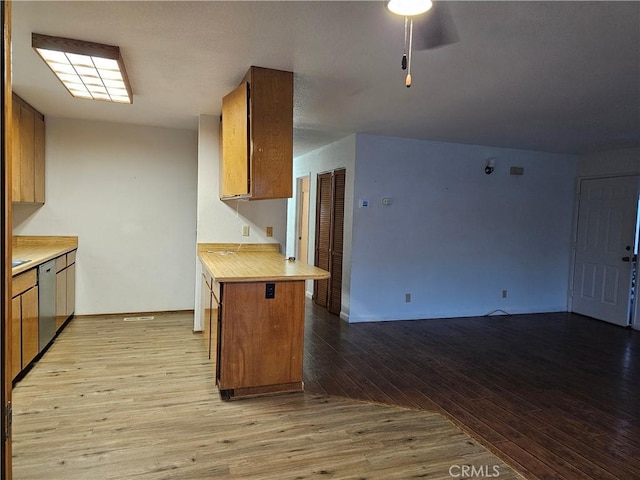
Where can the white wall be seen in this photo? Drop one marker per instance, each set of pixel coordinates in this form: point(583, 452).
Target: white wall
point(129, 193)
point(221, 222)
point(615, 162)
point(454, 237)
point(340, 154)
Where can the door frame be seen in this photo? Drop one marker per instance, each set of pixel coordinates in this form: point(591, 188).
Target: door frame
point(5, 242)
point(635, 313)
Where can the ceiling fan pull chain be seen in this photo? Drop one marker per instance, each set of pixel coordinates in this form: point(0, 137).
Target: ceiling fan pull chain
point(404, 54)
point(407, 81)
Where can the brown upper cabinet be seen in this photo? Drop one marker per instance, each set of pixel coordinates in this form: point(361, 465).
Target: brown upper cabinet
point(257, 137)
point(27, 153)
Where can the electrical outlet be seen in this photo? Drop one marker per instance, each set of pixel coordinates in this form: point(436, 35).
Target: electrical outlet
point(270, 290)
point(245, 230)
point(407, 297)
point(269, 231)
point(504, 294)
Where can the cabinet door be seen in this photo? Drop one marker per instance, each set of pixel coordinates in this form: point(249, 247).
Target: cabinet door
point(15, 152)
point(16, 337)
point(215, 325)
point(61, 297)
point(71, 290)
point(234, 165)
point(27, 151)
point(29, 325)
point(205, 305)
point(271, 133)
point(38, 159)
point(28, 147)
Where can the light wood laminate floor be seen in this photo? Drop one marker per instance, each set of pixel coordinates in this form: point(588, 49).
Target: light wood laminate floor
point(128, 400)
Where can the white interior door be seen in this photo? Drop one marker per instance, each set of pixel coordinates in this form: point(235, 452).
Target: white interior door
point(607, 215)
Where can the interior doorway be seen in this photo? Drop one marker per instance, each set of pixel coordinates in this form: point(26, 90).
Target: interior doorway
point(605, 266)
point(302, 221)
point(5, 241)
point(329, 238)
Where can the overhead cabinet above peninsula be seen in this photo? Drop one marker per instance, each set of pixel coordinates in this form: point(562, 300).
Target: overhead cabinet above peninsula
point(257, 137)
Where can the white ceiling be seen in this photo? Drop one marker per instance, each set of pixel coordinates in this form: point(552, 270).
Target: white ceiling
point(549, 76)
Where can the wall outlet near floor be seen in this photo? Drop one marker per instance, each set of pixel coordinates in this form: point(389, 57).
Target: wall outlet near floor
point(269, 231)
point(504, 294)
point(407, 297)
point(245, 230)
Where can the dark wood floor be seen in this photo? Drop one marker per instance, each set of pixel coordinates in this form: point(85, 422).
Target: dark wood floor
point(557, 395)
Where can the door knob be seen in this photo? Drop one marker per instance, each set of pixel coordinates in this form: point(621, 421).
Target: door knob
point(626, 259)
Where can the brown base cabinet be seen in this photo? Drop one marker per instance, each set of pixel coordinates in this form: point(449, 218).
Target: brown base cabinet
point(261, 338)
point(24, 318)
point(254, 343)
point(65, 288)
point(24, 321)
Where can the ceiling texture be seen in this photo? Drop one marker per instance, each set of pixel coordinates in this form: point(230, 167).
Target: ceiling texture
point(548, 76)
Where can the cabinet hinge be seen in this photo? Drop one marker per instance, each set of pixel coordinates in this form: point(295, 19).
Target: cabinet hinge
point(9, 421)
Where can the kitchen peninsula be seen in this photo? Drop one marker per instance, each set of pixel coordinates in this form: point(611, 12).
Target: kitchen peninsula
point(253, 306)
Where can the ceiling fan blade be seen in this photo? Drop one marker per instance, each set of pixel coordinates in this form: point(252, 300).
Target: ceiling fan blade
point(435, 28)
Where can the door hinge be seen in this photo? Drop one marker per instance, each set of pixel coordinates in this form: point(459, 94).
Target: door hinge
point(9, 419)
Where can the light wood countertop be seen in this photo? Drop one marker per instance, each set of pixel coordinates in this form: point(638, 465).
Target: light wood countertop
point(254, 263)
point(39, 249)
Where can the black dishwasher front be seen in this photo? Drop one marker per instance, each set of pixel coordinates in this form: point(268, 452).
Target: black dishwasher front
point(46, 303)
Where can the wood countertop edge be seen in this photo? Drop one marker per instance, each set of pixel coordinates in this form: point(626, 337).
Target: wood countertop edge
point(43, 241)
point(268, 278)
point(53, 246)
point(238, 247)
point(318, 273)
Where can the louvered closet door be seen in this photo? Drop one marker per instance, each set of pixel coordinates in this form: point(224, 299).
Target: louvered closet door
point(323, 236)
point(329, 238)
point(335, 253)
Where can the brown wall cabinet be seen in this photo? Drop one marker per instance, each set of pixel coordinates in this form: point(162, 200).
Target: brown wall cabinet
point(28, 153)
point(257, 137)
point(24, 321)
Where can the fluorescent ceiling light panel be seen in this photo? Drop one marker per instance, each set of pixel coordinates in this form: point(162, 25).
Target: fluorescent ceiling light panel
point(86, 69)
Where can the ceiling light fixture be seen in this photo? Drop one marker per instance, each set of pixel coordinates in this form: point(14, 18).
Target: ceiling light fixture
point(408, 9)
point(87, 70)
